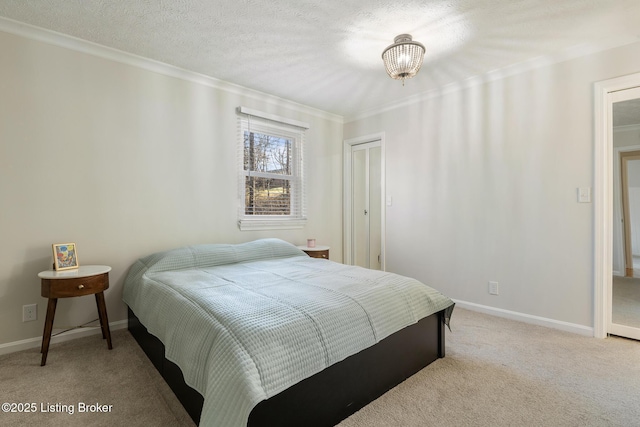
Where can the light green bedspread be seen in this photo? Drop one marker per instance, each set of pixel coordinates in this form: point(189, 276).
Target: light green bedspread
point(247, 321)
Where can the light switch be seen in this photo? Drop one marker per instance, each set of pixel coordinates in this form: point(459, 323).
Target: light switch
point(584, 195)
point(389, 200)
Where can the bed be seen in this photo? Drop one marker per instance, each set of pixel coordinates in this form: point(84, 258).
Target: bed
point(261, 334)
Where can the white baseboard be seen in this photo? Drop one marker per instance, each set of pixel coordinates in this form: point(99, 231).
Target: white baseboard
point(73, 334)
point(527, 318)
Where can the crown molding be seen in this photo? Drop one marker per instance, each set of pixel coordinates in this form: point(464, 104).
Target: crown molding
point(90, 48)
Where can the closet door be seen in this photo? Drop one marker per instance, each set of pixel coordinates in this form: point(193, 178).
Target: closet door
point(366, 205)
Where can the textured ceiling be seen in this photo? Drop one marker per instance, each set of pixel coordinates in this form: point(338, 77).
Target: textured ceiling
point(326, 54)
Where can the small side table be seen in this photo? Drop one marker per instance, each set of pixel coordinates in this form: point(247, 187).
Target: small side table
point(316, 252)
point(85, 280)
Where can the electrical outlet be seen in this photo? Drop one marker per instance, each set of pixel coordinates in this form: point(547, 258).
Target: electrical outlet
point(493, 288)
point(29, 312)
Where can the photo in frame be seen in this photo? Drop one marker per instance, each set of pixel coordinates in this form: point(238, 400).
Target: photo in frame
point(65, 256)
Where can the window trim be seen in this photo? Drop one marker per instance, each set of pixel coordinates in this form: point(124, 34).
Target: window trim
point(273, 125)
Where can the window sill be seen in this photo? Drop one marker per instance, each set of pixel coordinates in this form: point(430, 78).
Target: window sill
point(270, 224)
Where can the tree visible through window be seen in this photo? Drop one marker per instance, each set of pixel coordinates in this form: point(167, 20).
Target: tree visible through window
point(268, 168)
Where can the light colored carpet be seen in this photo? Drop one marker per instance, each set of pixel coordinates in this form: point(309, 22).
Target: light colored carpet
point(497, 372)
point(625, 309)
point(84, 371)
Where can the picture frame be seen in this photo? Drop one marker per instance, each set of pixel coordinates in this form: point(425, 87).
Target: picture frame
point(65, 256)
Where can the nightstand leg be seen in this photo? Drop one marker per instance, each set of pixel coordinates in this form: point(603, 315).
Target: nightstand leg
point(48, 327)
point(104, 320)
point(100, 317)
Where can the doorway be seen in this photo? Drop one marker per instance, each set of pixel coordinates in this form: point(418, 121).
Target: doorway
point(364, 211)
point(630, 195)
point(617, 295)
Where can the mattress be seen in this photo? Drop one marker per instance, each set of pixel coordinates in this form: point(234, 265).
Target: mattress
point(244, 322)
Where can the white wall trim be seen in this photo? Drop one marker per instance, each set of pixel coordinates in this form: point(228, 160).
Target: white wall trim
point(12, 347)
point(79, 45)
point(526, 318)
point(272, 117)
point(253, 224)
point(603, 201)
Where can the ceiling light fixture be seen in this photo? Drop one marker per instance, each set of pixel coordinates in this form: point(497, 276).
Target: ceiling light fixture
point(403, 58)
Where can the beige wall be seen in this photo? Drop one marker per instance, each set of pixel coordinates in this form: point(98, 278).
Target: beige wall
point(125, 162)
point(484, 182)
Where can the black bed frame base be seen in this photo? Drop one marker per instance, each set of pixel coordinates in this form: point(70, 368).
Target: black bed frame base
point(331, 395)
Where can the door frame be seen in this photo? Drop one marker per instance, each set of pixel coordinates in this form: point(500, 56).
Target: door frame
point(347, 195)
point(603, 198)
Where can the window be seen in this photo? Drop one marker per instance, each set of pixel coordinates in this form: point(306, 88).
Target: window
point(271, 179)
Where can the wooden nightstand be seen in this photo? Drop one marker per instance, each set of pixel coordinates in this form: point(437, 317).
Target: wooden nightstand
point(316, 252)
point(86, 280)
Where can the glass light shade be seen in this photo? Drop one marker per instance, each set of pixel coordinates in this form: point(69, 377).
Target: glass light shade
point(403, 58)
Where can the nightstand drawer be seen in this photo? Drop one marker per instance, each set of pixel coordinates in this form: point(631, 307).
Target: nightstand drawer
point(318, 254)
point(316, 251)
point(74, 287)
